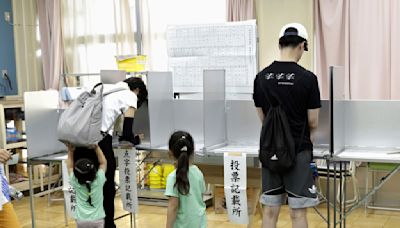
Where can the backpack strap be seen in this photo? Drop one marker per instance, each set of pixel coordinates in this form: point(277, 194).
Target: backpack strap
point(115, 90)
point(268, 94)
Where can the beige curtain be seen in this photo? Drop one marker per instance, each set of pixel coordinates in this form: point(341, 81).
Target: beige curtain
point(395, 50)
point(364, 37)
point(50, 40)
point(332, 40)
point(27, 47)
point(95, 31)
point(240, 10)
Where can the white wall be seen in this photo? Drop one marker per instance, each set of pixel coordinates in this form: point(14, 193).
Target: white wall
point(271, 16)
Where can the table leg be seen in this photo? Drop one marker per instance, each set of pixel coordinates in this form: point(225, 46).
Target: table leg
point(31, 200)
point(49, 184)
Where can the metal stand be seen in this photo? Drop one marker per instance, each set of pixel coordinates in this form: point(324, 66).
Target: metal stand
point(327, 193)
point(49, 184)
point(343, 211)
point(334, 194)
point(132, 216)
point(32, 204)
point(344, 196)
point(131, 219)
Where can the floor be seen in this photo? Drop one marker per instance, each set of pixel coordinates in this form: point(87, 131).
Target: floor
point(152, 216)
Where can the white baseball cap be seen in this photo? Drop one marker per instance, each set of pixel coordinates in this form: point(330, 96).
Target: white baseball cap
point(300, 31)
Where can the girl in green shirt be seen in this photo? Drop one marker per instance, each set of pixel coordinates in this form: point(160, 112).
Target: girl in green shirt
point(185, 186)
point(87, 177)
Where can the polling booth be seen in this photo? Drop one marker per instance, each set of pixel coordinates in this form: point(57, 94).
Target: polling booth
point(42, 113)
point(226, 134)
point(215, 106)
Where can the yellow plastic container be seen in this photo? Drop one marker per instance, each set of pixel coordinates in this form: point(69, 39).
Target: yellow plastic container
point(156, 171)
point(155, 176)
point(131, 63)
point(167, 169)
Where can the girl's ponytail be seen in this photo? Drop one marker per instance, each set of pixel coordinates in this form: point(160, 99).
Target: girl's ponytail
point(85, 171)
point(182, 146)
point(89, 200)
point(182, 169)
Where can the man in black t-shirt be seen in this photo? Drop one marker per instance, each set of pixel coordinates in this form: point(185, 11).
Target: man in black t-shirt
point(297, 91)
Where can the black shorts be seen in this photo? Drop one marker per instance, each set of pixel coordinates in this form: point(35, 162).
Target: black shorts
point(297, 183)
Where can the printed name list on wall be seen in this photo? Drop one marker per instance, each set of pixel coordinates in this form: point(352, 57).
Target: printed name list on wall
point(235, 185)
point(127, 180)
point(231, 46)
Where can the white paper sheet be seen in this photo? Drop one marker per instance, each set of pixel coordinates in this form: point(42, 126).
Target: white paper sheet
point(127, 180)
point(235, 186)
point(231, 46)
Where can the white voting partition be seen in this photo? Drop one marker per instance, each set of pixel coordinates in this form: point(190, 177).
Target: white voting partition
point(337, 108)
point(41, 116)
point(372, 123)
point(230, 46)
point(188, 116)
point(322, 135)
point(161, 107)
point(214, 108)
point(244, 125)
point(141, 124)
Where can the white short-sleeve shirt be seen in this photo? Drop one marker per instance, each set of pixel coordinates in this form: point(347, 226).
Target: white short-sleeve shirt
point(116, 103)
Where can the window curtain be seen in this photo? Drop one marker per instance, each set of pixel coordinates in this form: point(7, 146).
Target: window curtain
point(158, 14)
point(332, 40)
point(364, 37)
point(240, 10)
point(27, 46)
point(50, 40)
point(95, 31)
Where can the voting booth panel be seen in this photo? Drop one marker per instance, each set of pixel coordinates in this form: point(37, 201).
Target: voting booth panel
point(160, 104)
point(215, 134)
point(41, 116)
point(204, 119)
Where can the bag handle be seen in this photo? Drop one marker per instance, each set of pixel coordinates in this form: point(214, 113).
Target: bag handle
point(95, 86)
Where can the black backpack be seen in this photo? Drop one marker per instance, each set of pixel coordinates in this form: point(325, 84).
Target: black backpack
point(277, 146)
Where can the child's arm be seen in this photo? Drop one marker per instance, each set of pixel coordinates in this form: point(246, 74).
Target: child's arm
point(173, 205)
point(102, 159)
point(70, 159)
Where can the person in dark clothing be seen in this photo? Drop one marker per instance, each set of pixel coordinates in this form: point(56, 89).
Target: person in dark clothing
point(127, 102)
point(297, 91)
